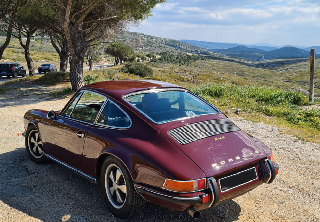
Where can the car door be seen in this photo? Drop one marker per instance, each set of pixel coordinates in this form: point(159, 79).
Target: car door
point(66, 134)
point(110, 128)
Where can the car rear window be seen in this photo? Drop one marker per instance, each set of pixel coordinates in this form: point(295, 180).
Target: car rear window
point(3, 66)
point(169, 105)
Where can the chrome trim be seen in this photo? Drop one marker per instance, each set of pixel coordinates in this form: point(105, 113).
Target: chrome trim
point(164, 90)
point(215, 192)
point(71, 168)
point(268, 167)
point(255, 170)
point(212, 191)
point(170, 198)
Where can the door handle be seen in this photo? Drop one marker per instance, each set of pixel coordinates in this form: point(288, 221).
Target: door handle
point(80, 135)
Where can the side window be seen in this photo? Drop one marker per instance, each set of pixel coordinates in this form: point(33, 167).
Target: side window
point(88, 107)
point(68, 111)
point(113, 116)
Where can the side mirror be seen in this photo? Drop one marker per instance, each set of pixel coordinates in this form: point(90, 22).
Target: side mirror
point(51, 115)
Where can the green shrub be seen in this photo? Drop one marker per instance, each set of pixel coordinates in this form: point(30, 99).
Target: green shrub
point(310, 117)
point(213, 90)
point(276, 111)
point(53, 78)
point(89, 79)
point(138, 69)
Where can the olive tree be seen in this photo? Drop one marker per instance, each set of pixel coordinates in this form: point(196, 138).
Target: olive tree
point(85, 22)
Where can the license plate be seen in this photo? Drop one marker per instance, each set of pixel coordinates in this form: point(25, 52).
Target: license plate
point(237, 179)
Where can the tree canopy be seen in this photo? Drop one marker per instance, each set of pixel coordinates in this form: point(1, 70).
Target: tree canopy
point(85, 22)
point(79, 24)
point(119, 51)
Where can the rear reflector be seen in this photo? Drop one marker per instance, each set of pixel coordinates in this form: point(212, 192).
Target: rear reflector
point(205, 198)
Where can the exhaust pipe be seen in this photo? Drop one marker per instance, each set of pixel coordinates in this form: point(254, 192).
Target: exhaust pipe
point(194, 212)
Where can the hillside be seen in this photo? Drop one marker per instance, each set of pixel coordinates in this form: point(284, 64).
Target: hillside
point(140, 42)
point(289, 52)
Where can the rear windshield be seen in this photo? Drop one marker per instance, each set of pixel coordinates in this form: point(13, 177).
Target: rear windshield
point(2, 66)
point(169, 105)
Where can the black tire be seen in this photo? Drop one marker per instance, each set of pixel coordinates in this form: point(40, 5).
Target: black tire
point(14, 75)
point(34, 145)
point(24, 74)
point(120, 199)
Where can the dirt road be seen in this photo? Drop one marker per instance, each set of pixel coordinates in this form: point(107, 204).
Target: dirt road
point(50, 192)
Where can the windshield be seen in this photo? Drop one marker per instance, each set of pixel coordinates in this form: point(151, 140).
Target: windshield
point(166, 106)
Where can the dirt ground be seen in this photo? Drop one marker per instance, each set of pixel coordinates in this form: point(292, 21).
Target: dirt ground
point(50, 192)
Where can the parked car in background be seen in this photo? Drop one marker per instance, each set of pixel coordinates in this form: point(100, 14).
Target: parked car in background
point(44, 68)
point(151, 138)
point(12, 70)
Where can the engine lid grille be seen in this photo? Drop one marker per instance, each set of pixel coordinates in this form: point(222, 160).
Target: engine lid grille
point(197, 131)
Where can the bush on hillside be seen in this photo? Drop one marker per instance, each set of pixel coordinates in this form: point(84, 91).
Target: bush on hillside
point(138, 69)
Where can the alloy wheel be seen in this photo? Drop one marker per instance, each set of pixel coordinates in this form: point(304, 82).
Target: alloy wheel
point(35, 144)
point(116, 186)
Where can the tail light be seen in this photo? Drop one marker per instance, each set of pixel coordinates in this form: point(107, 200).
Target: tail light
point(271, 157)
point(184, 186)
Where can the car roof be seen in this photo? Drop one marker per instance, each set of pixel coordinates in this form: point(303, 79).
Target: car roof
point(119, 88)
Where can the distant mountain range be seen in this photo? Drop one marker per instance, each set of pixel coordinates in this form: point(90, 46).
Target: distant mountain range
point(140, 42)
point(260, 55)
point(254, 52)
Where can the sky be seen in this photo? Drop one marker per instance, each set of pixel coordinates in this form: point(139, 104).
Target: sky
point(262, 22)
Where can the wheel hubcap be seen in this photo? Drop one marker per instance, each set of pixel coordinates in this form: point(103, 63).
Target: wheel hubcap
point(116, 187)
point(35, 144)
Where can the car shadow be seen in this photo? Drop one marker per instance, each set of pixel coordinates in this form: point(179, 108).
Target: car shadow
point(51, 192)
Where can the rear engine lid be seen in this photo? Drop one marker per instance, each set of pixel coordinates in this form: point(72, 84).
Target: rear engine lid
point(216, 146)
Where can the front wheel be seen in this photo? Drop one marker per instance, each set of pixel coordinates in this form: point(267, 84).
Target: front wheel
point(34, 145)
point(117, 187)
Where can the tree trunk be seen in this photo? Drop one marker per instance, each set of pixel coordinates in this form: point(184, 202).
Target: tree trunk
point(76, 73)
point(64, 56)
point(62, 51)
point(30, 63)
point(8, 38)
point(77, 49)
point(90, 60)
point(27, 56)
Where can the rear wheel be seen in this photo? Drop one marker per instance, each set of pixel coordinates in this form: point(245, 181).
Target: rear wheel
point(34, 145)
point(118, 187)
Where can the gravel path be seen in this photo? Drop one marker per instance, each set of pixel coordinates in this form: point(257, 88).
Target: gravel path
point(49, 192)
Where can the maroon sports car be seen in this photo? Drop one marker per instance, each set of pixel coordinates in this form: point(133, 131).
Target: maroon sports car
point(151, 138)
